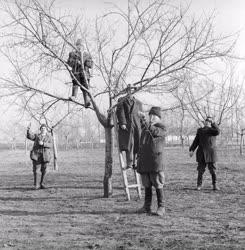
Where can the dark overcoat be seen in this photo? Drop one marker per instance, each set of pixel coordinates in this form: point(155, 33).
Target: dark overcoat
point(151, 155)
point(127, 114)
point(43, 151)
point(74, 61)
point(205, 142)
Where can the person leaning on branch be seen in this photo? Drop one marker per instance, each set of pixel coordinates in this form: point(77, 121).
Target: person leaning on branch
point(40, 153)
point(206, 155)
point(80, 62)
point(150, 163)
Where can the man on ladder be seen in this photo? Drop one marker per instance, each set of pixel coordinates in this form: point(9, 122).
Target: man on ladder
point(129, 127)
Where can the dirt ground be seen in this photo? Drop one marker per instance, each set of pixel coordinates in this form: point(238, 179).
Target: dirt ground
point(71, 213)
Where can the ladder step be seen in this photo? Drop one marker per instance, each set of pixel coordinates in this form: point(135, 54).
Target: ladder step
point(133, 186)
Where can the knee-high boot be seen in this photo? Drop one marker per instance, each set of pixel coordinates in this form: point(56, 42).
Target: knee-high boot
point(160, 204)
point(214, 179)
point(42, 179)
point(148, 199)
point(199, 179)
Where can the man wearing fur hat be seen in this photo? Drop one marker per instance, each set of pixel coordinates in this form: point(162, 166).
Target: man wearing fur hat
point(151, 161)
point(206, 155)
point(81, 63)
point(40, 153)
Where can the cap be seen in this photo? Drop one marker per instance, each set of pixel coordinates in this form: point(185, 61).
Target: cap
point(43, 125)
point(155, 111)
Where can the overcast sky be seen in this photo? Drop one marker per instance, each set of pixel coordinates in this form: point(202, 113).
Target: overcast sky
point(230, 16)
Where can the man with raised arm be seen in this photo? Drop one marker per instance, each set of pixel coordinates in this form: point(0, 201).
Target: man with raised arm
point(40, 153)
point(206, 155)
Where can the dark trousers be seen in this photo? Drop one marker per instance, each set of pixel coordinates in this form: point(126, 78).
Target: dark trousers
point(43, 169)
point(75, 87)
point(201, 169)
point(133, 145)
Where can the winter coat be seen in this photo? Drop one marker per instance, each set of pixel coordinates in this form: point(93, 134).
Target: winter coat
point(205, 140)
point(151, 157)
point(127, 114)
point(74, 61)
point(40, 153)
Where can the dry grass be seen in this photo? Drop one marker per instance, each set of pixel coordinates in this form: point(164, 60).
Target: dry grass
point(71, 213)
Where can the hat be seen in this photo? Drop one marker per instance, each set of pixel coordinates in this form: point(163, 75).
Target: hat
point(208, 119)
point(155, 111)
point(43, 125)
point(79, 42)
point(130, 87)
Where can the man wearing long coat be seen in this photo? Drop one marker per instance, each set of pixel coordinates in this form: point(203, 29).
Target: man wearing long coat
point(206, 155)
point(40, 153)
point(151, 160)
point(129, 127)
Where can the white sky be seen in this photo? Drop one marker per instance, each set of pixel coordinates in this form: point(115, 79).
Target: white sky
point(230, 19)
point(229, 15)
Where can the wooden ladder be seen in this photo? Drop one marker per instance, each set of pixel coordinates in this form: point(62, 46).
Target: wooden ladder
point(123, 165)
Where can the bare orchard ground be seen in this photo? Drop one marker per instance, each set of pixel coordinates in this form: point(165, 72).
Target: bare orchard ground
point(71, 213)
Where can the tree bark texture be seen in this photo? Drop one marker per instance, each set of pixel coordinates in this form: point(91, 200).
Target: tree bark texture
point(108, 162)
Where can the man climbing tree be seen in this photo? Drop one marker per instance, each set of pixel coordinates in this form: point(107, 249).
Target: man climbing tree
point(81, 62)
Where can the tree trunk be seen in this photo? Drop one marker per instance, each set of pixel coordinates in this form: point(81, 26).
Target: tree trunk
point(182, 140)
point(108, 162)
point(241, 144)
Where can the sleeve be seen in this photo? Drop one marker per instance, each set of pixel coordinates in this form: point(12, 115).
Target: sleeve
point(195, 143)
point(70, 60)
point(143, 123)
point(30, 135)
point(48, 143)
point(158, 130)
point(88, 61)
point(214, 130)
point(120, 112)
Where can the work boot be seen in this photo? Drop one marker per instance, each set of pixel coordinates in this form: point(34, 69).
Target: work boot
point(213, 174)
point(199, 179)
point(42, 179)
point(215, 187)
point(147, 205)
point(72, 98)
point(42, 186)
point(87, 105)
point(160, 210)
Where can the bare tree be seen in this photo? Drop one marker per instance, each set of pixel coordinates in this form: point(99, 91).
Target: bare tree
point(156, 44)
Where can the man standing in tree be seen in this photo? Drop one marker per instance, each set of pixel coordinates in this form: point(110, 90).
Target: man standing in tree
point(129, 126)
point(81, 63)
point(206, 155)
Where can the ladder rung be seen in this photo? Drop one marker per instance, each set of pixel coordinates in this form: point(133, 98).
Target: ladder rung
point(133, 186)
